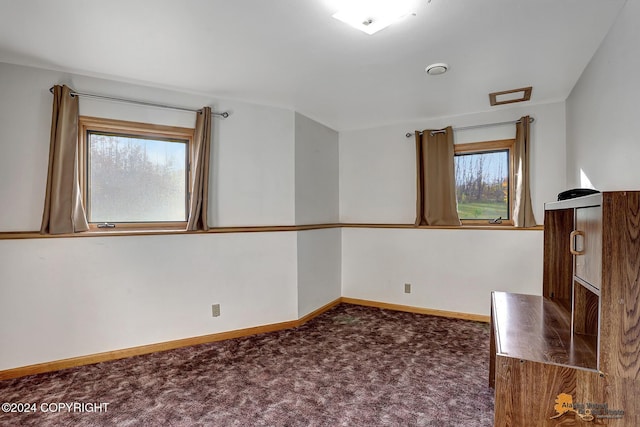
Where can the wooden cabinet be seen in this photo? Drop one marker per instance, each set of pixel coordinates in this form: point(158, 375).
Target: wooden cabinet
point(572, 355)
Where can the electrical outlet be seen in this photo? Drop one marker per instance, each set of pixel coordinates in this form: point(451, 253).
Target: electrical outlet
point(215, 310)
point(407, 288)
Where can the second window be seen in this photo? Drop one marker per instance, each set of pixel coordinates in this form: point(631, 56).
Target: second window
point(484, 182)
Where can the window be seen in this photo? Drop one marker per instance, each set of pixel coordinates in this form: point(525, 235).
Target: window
point(484, 182)
point(134, 174)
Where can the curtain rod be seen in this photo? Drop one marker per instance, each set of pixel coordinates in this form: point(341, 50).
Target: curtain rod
point(531, 120)
point(148, 104)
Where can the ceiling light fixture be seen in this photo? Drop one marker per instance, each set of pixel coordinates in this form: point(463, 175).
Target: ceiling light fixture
point(437, 69)
point(371, 16)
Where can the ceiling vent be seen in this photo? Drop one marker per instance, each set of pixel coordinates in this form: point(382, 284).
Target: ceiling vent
point(510, 96)
point(437, 69)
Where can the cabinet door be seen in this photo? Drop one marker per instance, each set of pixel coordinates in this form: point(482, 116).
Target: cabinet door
point(588, 265)
point(558, 261)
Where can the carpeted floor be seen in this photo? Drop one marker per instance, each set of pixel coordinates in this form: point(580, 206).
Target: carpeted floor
point(351, 366)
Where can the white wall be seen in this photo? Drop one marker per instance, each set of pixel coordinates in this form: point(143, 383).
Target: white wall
point(316, 166)
point(602, 111)
point(67, 297)
point(24, 144)
point(252, 169)
point(316, 202)
point(253, 164)
point(319, 268)
point(378, 172)
point(64, 297)
point(452, 270)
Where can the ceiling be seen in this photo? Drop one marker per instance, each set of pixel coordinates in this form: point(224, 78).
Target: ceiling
point(293, 54)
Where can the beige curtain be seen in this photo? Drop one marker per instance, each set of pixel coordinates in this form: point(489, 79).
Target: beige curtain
point(436, 201)
point(200, 157)
point(63, 210)
point(522, 209)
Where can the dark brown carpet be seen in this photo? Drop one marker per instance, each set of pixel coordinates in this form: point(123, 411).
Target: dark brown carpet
point(351, 366)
